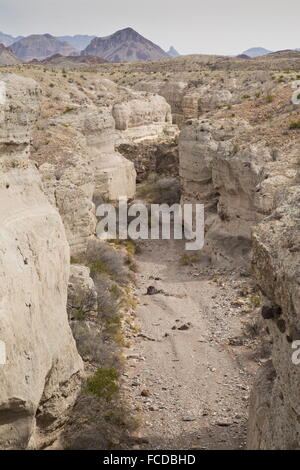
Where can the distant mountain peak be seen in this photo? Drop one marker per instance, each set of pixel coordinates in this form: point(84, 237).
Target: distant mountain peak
point(172, 52)
point(256, 52)
point(125, 45)
point(7, 39)
point(79, 41)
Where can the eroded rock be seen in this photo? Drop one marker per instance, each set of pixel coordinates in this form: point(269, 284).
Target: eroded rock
point(42, 362)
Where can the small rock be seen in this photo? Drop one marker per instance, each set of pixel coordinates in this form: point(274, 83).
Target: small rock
point(223, 423)
point(188, 418)
point(185, 326)
point(153, 408)
point(151, 290)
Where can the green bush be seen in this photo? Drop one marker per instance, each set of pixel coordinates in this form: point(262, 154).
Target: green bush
point(105, 261)
point(104, 384)
point(295, 125)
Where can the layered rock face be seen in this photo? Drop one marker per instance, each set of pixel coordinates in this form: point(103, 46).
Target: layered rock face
point(275, 404)
point(71, 190)
point(79, 161)
point(140, 112)
point(86, 170)
point(247, 175)
point(144, 117)
point(173, 92)
point(237, 182)
point(114, 175)
point(190, 100)
point(40, 379)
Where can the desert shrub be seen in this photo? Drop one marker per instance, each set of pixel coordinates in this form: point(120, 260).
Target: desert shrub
point(270, 98)
point(295, 125)
point(104, 384)
point(90, 342)
point(255, 300)
point(105, 261)
point(236, 149)
point(68, 109)
point(108, 302)
point(188, 260)
point(160, 191)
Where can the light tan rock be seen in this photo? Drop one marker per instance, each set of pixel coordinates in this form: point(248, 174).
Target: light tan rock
point(40, 379)
point(71, 190)
point(274, 421)
point(82, 295)
point(239, 185)
point(114, 175)
point(143, 118)
point(96, 124)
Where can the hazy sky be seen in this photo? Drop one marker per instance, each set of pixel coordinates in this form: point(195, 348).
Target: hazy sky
point(192, 26)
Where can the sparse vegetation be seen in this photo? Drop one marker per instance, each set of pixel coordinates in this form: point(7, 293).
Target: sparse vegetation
point(157, 190)
point(295, 125)
point(188, 260)
point(104, 384)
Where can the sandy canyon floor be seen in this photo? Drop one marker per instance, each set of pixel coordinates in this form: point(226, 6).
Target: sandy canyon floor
point(191, 367)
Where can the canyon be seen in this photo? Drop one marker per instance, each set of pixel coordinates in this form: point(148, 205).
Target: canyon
point(199, 345)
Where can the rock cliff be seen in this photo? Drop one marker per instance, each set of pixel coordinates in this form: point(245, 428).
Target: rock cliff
point(239, 181)
point(275, 405)
point(41, 375)
point(78, 158)
point(247, 176)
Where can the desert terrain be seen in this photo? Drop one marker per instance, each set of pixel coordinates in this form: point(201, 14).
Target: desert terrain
point(149, 346)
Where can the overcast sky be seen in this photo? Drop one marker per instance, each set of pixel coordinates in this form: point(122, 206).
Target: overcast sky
point(191, 26)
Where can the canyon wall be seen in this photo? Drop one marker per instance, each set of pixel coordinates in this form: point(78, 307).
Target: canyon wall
point(275, 405)
point(250, 188)
point(41, 376)
point(79, 161)
point(191, 99)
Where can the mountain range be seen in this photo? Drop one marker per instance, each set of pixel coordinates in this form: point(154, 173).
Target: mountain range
point(256, 52)
point(7, 39)
point(40, 46)
point(79, 41)
point(261, 51)
point(125, 45)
